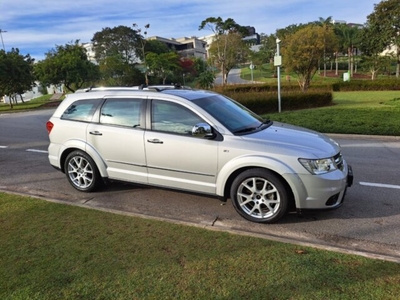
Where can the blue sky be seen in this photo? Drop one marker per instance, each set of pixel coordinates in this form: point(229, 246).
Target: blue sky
point(35, 27)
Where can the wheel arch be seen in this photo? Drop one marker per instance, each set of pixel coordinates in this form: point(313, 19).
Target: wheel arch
point(81, 146)
point(231, 170)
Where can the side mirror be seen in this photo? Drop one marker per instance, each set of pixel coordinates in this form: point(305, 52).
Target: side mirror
point(202, 130)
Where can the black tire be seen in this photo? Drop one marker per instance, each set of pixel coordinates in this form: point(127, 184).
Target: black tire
point(82, 172)
point(259, 196)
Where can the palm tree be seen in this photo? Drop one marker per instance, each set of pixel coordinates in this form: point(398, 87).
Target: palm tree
point(348, 40)
point(325, 23)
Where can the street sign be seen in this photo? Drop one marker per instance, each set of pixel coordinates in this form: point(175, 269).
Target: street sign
point(277, 61)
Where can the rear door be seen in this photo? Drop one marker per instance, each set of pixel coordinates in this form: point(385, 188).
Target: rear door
point(118, 138)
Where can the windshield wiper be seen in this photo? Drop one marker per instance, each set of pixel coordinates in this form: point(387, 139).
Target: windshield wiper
point(246, 129)
point(265, 122)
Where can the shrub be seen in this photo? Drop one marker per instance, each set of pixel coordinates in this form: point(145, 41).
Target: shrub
point(267, 101)
point(367, 85)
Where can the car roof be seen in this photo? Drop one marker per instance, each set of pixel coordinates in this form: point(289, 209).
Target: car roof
point(190, 94)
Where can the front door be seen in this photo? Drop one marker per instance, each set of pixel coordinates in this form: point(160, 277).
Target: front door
point(174, 157)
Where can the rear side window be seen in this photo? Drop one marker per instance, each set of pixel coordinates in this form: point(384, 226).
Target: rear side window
point(81, 110)
point(121, 112)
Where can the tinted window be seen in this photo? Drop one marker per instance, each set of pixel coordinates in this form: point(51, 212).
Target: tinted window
point(231, 114)
point(81, 110)
point(172, 117)
point(121, 112)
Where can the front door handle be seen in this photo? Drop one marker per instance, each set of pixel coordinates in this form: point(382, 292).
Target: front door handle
point(95, 132)
point(155, 141)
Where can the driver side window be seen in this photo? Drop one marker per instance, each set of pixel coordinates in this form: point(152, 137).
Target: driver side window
point(172, 118)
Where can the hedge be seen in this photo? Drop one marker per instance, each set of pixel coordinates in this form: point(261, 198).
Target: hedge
point(367, 85)
point(263, 98)
point(287, 86)
point(267, 102)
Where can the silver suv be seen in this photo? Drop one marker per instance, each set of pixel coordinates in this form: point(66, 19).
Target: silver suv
point(197, 141)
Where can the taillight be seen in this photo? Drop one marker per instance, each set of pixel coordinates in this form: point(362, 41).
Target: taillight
point(49, 126)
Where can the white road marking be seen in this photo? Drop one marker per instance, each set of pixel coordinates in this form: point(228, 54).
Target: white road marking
point(3, 147)
point(389, 186)
point(35, 150)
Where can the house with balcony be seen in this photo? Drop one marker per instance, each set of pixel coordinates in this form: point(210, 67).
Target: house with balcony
point(185, 46)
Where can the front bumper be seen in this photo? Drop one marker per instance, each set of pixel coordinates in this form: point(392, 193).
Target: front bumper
point(323, 192)
point(350, 176)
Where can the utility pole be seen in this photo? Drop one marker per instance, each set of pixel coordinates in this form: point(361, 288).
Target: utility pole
point(1, 35)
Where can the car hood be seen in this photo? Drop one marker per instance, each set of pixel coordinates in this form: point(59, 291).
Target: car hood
point(288, 138)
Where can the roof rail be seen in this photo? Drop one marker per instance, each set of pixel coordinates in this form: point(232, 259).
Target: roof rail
point(157, 88)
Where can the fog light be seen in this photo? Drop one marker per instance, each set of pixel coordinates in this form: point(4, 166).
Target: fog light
point(332, 200)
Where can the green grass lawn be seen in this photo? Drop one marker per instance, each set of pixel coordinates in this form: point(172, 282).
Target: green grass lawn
point(55, 251)
point(31, 104)
point(267, 74)
point(368, 113)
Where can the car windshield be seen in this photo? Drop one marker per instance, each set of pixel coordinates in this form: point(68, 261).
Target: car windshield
point(234, 116)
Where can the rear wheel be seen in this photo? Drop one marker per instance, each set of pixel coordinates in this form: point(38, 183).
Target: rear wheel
point(82, 172)
point(259, 196)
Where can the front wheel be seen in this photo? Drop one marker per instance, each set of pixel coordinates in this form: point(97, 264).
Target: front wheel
point(82, 172)
point(259, 196)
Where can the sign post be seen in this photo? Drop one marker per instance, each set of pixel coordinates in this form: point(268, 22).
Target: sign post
point(251, 68)
point(278, 63)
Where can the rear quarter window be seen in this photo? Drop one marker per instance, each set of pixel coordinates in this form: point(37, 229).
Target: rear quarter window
point(81, 110)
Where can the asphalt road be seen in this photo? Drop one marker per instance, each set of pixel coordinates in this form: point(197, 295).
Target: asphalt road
point(366, 224)
point(233, 78)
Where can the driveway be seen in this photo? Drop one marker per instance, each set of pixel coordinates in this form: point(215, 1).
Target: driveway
point(233, 78)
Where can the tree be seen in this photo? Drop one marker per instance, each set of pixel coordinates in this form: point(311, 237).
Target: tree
point(302, 51)
point(326, 25)
point(237, 52)
point(67, 65)
point(121, 40)
point(281, 33)
point(206, 79)
point(223, 50)
point(371, 47)
point(115, 72)
point(142, 48)
point(162, 65)
point(386, 21)
point(155, 46)
point(16, 73)
point(348, 38)
point(266, 52)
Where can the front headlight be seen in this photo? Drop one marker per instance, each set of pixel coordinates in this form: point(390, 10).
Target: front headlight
point(318, 166)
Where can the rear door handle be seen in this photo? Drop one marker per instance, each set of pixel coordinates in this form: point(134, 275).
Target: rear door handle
point(95, 132)
point(155, 141)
